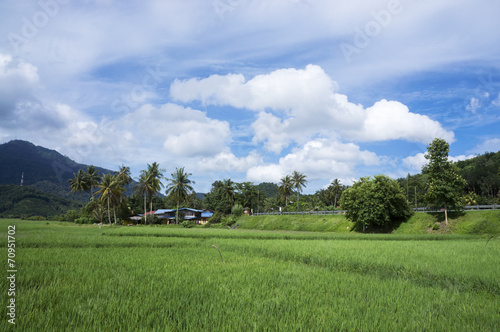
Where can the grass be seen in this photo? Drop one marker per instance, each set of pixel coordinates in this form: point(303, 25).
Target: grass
point(171, 279)
point(468, 223)
point(321, 223)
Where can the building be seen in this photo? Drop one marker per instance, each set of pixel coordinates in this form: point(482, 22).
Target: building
point(200, 217)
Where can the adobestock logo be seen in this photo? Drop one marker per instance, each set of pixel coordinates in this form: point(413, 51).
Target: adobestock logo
point(140, 92)
point(31, 27)
point(371, 30)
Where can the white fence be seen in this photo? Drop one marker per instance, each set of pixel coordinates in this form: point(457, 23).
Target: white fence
point(421, 209)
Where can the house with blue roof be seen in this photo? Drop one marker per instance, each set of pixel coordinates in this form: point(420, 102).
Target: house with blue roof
point(200, 217)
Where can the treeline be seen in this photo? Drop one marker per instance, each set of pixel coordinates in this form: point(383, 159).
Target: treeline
point(112, 196)
point(482, 174)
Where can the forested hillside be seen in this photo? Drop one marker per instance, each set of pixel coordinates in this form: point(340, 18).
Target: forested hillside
point(482, 174)
point(17, 201)
point(44, 169)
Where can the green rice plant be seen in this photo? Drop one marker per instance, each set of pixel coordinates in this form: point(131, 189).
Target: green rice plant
point(80, 277)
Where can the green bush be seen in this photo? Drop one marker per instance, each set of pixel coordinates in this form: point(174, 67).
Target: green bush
point(187, 223)
point(84, 220)
point(216, 218)
point(37, 218)
point(71, 215)
point(152, 220)
point(237, 210)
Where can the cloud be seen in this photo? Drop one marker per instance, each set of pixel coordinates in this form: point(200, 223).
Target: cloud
point(489, 145)
point(418, 161)
point(460, 158)
point(496, 102)
point(171, 130)
point(319, 159)
point(295, 105)
point(391, 120)
point(18, 82)
point(473, 106)
point(228, 162)
point(415, 162)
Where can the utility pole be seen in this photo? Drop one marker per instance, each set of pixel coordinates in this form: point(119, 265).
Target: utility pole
point(407, 191)
point(416, 197)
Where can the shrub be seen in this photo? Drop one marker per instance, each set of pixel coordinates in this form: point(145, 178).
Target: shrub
point(84, 220)
point(152, 220)
point(187, 223)
point(237, 210)
point(37, 218)
point(216, 218)
point(71, 215)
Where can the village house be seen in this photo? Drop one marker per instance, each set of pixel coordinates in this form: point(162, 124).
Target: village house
point(200, 217)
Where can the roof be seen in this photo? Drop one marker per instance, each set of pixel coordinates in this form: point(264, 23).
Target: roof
point(162, 211)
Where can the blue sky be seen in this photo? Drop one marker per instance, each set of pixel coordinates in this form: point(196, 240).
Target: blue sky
point(252, 90)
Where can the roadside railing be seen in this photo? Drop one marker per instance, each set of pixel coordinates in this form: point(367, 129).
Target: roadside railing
point(420, 209)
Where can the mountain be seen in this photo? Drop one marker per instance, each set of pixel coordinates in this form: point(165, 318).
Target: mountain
point(44, 169)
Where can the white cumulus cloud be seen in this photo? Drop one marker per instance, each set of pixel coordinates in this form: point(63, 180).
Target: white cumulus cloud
point(295, 105)
point(320, 158)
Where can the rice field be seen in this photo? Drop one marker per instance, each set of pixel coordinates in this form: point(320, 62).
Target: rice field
point(82, 278)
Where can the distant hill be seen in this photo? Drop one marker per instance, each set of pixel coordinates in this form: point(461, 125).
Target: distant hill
point(17, 201)
point(44, 169)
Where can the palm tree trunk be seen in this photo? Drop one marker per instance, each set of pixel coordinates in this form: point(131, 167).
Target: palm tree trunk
point(114, 212)
point(151, 207)
point(298, 200)
point(145, 210)
point(231, 209)
point(109, 214)
point(177, 214)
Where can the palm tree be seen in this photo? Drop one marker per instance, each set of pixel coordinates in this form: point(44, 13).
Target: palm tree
point(79, 183)
point(155, 174)
point(143, 188)
point(299, 181)
point(92, 178)
point(285, 187)
point(334, 189)
point(111, 191)
point(228, 191)
point(179, 188)
point(124, 175)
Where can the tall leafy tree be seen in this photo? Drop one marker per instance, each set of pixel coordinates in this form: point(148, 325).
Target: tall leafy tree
point(179, 187)
point(247, 194)
point(299, 182)
point(216, 200)
point(375, 201)
point(111, 191)
point(445, 185)
point(228, 187)
point(286, 187)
